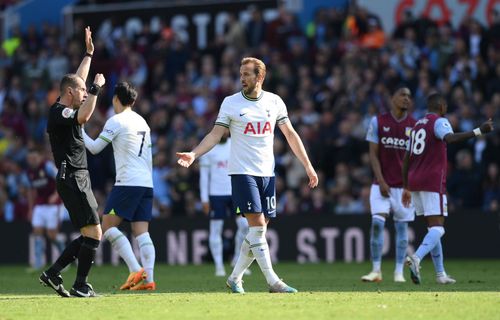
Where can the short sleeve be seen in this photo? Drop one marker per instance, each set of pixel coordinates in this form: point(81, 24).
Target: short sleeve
point(63, 115)
point(372, 133)
point(282, 116)
point(442, 127)
point(111, 130)
point(223, 118)
point(51, 169)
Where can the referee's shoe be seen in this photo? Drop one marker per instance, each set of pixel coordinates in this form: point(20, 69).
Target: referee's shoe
point(54, 282)
point(84, 290)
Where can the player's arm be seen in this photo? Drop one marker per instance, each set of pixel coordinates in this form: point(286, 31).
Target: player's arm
point(210, 140)
point(406, 196)
point(204, 183)
point(461, 136)
point(298, 149)
point(94, 146)
point(87, 108)
point(377, 169)
point(109, 132)
point(51, 170)
point(83, 69)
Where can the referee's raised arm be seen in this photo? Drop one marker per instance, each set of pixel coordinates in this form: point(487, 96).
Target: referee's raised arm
point(88, 106)
point(83, 69)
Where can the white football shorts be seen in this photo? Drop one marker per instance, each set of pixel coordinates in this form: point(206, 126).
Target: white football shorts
point(429, 203)
point(380, 204)
point(46, 216)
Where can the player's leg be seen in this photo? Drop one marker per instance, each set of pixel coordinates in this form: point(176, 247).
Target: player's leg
point(257, 222)
point(70, 195)
point(121, 205)
point(119, 242)
point(216, 245)
point(87, 219)
point(140, 226)
point(147, 253)
point(37, 223)
point(433, 206)
point(244, 190)
point(53, 223)
point(92, 234)
point(380, 207)
point(437, 259)
point(52, 276)
point(241, 233)
point(434, 211)
point(402, 216)
point(401, 242)
point(217, 216)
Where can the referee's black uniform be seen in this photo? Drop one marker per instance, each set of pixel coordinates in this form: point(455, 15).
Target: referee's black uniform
point(73, 180)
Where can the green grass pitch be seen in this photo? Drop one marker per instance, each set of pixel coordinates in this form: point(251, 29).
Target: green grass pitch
point(326, 291)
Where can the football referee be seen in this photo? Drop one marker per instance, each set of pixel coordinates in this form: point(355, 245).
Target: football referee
point(75, 107)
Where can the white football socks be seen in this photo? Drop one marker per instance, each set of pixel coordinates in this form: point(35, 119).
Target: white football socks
point(148, 255)
point(260, 249)
point(121, 244)
point(241, 233)
point(215, 241)
point(244, 261)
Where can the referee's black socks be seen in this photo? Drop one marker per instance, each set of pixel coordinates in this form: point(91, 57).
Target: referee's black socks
point(86, 257)
point(67, 256)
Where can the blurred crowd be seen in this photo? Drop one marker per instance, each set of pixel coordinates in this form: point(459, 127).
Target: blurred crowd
point(334, 76)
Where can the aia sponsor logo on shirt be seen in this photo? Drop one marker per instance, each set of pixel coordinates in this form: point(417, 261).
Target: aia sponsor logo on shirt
point(258, 128)
point(221, 164)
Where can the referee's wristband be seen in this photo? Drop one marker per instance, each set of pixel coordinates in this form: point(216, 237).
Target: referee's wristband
point(477, 132)
point(94, 89)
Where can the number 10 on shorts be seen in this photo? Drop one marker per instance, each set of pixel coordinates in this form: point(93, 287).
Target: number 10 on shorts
point(271, 202)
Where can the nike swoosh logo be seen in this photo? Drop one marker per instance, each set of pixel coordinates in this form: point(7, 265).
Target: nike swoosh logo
point(53, 285)
point(83, 294)
point(242, 114)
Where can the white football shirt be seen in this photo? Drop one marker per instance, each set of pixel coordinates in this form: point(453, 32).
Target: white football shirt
point(252, 123)
point(131, 138)
point(214, 176)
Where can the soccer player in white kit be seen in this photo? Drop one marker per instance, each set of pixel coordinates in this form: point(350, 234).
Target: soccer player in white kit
point(215, 194)
point(251, 117)
point(131, 198)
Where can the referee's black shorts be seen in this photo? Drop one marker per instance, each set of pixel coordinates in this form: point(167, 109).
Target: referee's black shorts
point(76, 193)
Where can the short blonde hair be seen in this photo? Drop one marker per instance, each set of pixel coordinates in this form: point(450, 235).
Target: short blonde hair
point(260, 67)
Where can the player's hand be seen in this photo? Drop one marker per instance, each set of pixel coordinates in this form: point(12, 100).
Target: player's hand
point(185, 158)
point(205, 206)
point(385, 190)
point(487, 126)
point(313, 177)
point(53, 198)
point(99, 79)
point(406, 198)
point(88, 41)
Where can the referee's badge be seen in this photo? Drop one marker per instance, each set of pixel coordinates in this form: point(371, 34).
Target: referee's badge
point(68, 113)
